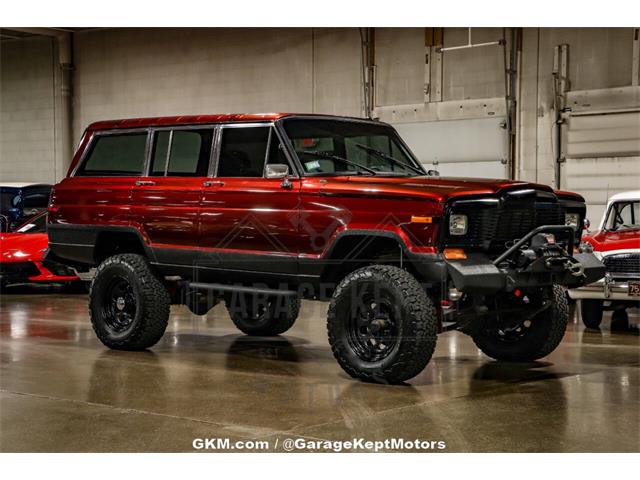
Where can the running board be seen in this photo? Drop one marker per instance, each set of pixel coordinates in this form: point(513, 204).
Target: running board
point(221, 287)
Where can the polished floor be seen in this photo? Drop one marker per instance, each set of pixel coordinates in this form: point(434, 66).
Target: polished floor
point(62, 391)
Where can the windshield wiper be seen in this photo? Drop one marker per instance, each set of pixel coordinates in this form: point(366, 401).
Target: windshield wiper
point(338, 158)
point(389, 158)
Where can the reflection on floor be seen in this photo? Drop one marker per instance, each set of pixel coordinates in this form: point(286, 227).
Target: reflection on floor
point(61, 390)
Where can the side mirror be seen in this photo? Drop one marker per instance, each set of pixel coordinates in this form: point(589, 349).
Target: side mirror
point(276, 170)
point(433, 173)
point(586, 224)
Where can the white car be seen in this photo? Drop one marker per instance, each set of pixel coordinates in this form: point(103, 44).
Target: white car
point(617, 243)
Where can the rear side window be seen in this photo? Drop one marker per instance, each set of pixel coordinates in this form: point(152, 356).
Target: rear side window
point(115, 155)
point(181, 153)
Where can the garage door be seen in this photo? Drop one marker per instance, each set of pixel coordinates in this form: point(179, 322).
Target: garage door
point(459, 148)
point(602, 150)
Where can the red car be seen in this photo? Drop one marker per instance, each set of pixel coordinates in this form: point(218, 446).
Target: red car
point(260, 211)
point(617, 243)
point(22, 255)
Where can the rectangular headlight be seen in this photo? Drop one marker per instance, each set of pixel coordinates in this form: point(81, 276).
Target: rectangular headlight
point(457, 224)
point(571, 219)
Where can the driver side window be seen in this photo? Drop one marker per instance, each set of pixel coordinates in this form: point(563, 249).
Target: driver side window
point(244, 151)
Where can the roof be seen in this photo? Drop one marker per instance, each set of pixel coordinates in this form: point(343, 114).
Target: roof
point(631, 195)
point(187, 120)
point(208, 119)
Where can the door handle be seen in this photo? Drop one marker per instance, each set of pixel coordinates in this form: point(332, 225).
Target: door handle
point(142, 183)
point(210, 183)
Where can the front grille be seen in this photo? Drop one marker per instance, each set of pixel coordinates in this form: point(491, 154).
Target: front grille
point(18, 269)
point(623, 263)
point(496, 226)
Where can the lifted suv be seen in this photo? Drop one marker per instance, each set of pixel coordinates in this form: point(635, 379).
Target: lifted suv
point(260, 211)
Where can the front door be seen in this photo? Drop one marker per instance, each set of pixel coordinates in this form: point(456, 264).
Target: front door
point(249, 222)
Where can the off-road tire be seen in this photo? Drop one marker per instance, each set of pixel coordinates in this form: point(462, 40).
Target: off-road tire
point(277, 314)
point(541, 338)
point(591, 312)
point(151, 298)
point(415, 316)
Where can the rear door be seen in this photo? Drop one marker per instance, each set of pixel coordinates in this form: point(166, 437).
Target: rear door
point(166, 200)
point(248, 221)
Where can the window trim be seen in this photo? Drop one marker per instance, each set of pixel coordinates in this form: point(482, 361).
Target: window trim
point(95, 135)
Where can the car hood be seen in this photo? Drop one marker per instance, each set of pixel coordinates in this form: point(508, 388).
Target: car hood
point(435, 188)
point(22, 247)
point(607, 242)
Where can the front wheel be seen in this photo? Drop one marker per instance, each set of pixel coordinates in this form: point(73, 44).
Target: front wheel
point(382, 325)
point(517, 337)
point(129, 306)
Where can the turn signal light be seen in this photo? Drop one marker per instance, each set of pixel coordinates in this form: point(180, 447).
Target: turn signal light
point(454, 254)
point(415, 219)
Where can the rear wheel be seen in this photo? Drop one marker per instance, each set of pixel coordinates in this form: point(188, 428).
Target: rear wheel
point(129, 306)
point(591, 311)
point(263, 316)
point(518, 338)
point(619, 321)
point(382, 325)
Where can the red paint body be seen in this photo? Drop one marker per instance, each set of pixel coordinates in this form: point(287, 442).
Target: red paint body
point(607, 241)
point(183, 213)
point(22, 248)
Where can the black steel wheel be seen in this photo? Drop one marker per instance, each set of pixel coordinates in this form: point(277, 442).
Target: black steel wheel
point(119, 304)
point(372, 328)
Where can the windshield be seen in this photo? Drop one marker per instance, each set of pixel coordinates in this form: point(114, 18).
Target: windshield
point(623, 215)
point(339, 147)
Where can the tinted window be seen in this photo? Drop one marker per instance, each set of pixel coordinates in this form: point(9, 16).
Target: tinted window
point(160, 146)
point(243, 152)
point(189, 152)
point(115, 155)
point(276, 151)
point(36, 200)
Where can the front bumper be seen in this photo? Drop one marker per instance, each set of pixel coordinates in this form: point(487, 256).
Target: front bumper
point(478, 273)
point(606, 288)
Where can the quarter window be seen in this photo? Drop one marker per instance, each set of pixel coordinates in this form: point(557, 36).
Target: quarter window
point(115, 155)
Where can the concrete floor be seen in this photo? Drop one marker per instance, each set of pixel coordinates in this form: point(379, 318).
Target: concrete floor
point(61, 390)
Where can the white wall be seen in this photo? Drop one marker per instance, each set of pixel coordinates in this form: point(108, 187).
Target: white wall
point(148, 72)
point(27, 148)
point(145, 72)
